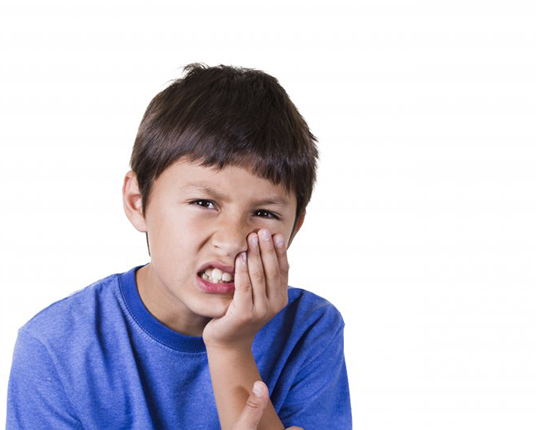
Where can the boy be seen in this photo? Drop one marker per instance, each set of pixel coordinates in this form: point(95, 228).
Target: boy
point(223, 168)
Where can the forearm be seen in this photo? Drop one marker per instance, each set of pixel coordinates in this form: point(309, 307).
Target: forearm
point(233, 373)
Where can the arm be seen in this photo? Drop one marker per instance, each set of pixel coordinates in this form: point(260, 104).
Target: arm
point(261, 280)
point(233, 372)
point(255, 405)
point(36, 396)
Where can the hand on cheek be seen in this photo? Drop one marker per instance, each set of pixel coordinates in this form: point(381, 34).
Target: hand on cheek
point(267, 268)
point(261, 280)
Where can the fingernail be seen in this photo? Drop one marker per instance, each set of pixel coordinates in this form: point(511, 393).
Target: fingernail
point(265, 235)
point(254, 240)
point(279, 241)
point(257, 389)
point(244, 257)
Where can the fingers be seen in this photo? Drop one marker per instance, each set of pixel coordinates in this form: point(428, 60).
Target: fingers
point(276, 269)
point(257, 274)
point(255, 405)
point(284, 267)
point(243, 296)
point(261, 282)
point(268, 269)
point(271, 263)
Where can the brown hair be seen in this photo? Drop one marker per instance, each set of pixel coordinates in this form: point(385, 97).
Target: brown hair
point(222, 116)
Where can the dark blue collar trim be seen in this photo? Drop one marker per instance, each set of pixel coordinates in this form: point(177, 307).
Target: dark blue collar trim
point(149, 324)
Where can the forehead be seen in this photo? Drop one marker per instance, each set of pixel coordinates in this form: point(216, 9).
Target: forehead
point(185, 177)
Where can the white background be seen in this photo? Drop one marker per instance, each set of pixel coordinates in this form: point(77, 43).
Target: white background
point(422, 226)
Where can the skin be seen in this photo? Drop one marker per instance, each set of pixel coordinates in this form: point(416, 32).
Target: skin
point(188, 227)
point(255, 406)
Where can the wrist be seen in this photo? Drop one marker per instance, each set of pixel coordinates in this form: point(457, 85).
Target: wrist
point(243, 346)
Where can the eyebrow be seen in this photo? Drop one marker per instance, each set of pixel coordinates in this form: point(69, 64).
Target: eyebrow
point(272, 200)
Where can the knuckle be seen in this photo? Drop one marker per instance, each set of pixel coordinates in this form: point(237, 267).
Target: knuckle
point(269, 247)
point(245, 286)
point(273, 274)
point(253, 403)
point(258, 275)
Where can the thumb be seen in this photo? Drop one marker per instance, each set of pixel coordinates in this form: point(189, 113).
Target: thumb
point(255, 405)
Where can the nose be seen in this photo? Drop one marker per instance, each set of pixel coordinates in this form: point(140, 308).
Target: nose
point(230, 236)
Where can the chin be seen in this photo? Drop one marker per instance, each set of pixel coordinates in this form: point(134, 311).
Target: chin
point(216, 309)
point(219, 314)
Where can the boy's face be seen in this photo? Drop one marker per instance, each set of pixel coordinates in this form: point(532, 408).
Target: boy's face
point(198, 215)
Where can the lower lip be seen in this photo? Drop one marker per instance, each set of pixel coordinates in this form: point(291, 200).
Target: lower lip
point(209, 287)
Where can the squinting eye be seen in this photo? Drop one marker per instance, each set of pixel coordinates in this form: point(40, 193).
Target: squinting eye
point(269, 214)
point(196, 203)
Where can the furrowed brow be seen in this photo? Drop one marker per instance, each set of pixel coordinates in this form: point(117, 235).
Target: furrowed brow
point(206, 189)
point(272, 200)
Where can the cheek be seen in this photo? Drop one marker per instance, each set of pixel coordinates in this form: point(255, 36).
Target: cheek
point(176, 236)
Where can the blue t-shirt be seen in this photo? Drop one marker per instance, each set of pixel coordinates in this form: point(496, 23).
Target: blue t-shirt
point(99, 360)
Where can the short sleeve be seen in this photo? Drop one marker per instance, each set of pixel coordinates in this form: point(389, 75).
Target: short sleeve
point(36, 396)
point(320, 397)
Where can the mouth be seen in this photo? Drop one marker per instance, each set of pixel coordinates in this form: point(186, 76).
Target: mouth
point(215, 275)
point(221, 287)
point(214, 280)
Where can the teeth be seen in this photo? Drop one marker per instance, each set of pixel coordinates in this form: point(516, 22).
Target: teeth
point(215, 276)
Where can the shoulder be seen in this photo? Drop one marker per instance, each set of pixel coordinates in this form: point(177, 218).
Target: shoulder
point(78, 311)
point(312, 306)
point(310, 315)
point(313, 384)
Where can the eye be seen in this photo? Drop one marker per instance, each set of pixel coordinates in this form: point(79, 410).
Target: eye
point(202, 203)
point(268, 214)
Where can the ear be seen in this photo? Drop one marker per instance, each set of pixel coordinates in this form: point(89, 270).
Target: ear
point(132, 202)
point(298, 226)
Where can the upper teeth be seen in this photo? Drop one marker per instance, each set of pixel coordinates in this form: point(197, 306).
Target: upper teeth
point(216, 275)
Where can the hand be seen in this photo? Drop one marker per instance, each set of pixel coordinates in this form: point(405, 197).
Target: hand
point(252, 412)
point(261, 280)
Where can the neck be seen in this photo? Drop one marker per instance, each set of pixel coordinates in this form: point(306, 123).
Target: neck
point(166, 308)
